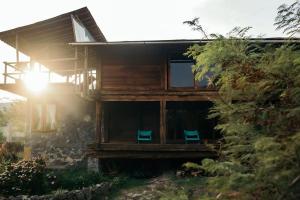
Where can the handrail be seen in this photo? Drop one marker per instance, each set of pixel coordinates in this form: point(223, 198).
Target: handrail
point(79, 77)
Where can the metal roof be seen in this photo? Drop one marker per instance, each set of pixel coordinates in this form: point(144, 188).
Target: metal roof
point(179, 41)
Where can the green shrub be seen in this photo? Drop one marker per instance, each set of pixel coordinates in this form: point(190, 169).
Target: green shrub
point(9, 151)
point(23, 177)
point(74, 178)
point(2, 138)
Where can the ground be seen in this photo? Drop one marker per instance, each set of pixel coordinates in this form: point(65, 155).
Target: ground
point(164, 187)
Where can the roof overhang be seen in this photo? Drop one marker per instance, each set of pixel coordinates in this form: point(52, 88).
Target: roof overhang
point(56, 30)
point(178, 42)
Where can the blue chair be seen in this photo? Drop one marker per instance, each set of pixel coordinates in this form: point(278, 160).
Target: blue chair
point(191, 136)
point(144, 136)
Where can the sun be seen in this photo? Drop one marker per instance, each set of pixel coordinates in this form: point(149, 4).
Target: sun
point(35, 81)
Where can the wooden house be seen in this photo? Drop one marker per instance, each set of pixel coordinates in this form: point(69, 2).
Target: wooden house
point(130, 85)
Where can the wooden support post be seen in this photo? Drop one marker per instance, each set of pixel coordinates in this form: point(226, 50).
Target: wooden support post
point(99, 134)
point(17, 48)
point(76, 65)
point(5, 73)
point(163, 122)
point(28, 132)
point(166, 75)
point(98, 74)
point(85, 71)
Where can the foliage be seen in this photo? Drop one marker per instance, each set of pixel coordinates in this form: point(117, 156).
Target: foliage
point(74, 178)
point(9, 151)
point(259, 112)
point(23, 177)
point(288, 18)
point(2, 138)
point(32, 178)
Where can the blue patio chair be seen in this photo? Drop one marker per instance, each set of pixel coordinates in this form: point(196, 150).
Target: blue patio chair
point(191, 136)
point(145, 136)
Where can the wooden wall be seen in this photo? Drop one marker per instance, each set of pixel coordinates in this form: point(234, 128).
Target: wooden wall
point(132, 68)
point(131, 77)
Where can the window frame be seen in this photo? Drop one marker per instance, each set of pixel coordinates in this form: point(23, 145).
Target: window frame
point(193, 88)
point(169, 75)
point(44, 118)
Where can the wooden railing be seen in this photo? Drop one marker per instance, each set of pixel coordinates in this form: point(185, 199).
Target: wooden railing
point(83, 80)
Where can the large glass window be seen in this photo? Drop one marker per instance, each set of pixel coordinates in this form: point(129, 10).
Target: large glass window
point(181, 74)
point(81, 33)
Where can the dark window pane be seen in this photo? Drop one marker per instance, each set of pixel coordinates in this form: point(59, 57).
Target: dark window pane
point(181, 74)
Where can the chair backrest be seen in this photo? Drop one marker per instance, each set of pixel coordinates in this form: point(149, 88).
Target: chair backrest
point(191, 133)
point(144, 132)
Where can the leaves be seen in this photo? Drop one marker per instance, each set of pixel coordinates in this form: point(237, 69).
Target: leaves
point(258, 112)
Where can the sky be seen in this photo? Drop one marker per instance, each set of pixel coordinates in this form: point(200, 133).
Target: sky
point(122, 20)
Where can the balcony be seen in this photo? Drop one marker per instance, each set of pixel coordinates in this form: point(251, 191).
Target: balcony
point(27, 78)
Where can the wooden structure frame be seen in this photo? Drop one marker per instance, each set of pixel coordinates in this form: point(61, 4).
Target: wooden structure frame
point(101, 71)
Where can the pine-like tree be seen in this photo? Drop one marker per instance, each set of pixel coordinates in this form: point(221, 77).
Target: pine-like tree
point(259, 114)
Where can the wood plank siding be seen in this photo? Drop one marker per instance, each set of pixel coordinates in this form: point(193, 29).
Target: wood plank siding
point(131, 77)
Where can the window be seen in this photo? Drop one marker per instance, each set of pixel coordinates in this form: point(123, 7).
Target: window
point(181, 74)
point(44, 117)
point(80, 31)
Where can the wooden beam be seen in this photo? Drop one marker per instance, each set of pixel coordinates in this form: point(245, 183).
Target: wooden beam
point(17, 48)
point(166, 75)
point(85, 74)
point(99, 135)
point(5, 72)
point(162, 122)
point(98, 74)
point(75, 69)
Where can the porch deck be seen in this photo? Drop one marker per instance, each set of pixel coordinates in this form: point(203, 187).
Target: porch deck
point(153, 151)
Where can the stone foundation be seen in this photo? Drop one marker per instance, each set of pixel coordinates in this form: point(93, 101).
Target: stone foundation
point(66, 146)
point(97, 192)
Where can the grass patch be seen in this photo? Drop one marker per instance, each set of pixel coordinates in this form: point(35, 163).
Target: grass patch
point(127, 183)
point(74, 178)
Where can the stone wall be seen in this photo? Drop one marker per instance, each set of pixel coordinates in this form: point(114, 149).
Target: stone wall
point(97, 192)
point(76, 129)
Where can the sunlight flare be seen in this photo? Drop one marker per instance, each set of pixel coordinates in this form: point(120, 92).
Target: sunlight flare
point(35, 81)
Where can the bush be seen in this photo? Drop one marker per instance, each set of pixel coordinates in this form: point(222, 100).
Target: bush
point(2, 138)
point(9, 151)
point(23, 177)
point(74, 178)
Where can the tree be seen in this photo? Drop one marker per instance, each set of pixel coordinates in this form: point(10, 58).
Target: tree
point(259, 113)
point(288, 18)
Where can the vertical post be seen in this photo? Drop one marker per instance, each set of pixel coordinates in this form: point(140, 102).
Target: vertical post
point(166, 75)
point(98, 74)
point(5, 72)
point(17, 48)
point(162, 122)
point(76, 65)
point(85, 71)
point(99, 134)
point(28, 131)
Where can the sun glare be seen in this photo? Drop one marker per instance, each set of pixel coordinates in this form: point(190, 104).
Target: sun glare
point(35, 81)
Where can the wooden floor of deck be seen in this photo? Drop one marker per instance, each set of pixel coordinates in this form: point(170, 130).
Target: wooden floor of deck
point(154, 151)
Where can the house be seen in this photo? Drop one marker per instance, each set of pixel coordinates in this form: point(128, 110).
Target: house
point(123, 86)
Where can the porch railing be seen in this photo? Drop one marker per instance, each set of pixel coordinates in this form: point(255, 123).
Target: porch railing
point(83, 80)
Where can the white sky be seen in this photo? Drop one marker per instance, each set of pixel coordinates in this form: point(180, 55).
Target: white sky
point(146, 19)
